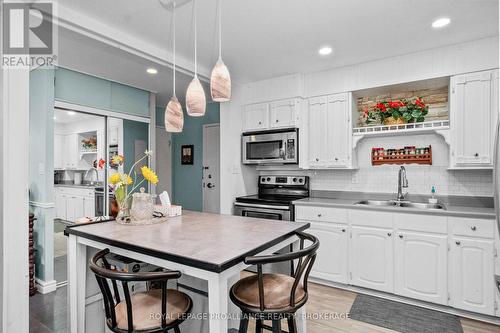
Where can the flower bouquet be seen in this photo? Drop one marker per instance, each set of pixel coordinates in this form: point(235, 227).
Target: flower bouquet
point(397, 112)
point(121, 182)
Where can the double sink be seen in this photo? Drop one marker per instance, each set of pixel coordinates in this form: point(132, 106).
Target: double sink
point(402, 204)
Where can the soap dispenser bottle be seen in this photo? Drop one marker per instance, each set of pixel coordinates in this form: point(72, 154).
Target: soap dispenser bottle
point(432, 199)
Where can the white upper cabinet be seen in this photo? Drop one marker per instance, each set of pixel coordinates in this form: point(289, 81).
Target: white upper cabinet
point(256, 117)
point(421, 265)
point(274, 115)
point(372, 256)
point(58, 152)
point(284, 113)
point(473, 115)
point(70, 151)
point(330, 131)
point(473, 286)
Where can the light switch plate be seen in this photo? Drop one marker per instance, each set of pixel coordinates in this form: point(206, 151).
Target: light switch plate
point(41, 168)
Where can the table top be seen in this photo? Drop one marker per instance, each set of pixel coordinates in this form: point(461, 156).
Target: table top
point(212, 242)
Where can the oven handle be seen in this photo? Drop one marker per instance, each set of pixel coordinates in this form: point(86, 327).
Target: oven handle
point(241, 204)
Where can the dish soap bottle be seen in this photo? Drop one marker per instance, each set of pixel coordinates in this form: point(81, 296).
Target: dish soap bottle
point(432, 199)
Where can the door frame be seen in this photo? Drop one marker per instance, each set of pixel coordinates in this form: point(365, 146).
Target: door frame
point(202, 162)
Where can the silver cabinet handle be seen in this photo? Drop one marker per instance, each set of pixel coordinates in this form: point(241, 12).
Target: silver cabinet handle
point(317, 159)
point(319, 215)
point(260, 122)
point(400, 236)
point(277, 120)
point(457, 242)
point(476, 155)
point(473, 228)
point(389, 234)
point(343, 230)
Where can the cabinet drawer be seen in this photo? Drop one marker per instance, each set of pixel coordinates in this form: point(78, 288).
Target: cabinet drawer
point(321, 214)
point(84, 192)
point(472, 227)
point(420, 222)
point(371, 218)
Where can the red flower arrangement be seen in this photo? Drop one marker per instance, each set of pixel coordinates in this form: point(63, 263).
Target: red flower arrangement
point(405, 111)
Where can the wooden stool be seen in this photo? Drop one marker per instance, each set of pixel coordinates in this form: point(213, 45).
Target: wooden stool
point(275, 296)
point(153, 311)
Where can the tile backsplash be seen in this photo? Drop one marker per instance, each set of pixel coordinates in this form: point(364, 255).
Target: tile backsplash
point(384, 179)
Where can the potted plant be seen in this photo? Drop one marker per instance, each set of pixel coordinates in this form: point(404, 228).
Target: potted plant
point(122, 181)
point(397, 112)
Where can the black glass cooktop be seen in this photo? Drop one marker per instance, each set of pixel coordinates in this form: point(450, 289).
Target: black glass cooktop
point(269, 200)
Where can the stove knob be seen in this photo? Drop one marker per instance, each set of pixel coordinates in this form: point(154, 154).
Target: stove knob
point(268, 179)
point(263, 179)
point(295, 180)
point(301, 180)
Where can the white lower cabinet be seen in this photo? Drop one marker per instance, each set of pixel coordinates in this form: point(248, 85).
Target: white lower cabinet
point(472, 280)
point(372, 258)
point(421, 266)
point(73, 203)
point(331, 259)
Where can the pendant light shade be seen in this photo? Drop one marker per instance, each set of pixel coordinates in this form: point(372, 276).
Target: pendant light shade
point(195, 95)
point(174, 117)
point(220, 80)
point(195, 99)
point(220, 83)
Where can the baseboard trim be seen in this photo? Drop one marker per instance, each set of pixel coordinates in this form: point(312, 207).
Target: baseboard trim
point(45, 287)
point(411, 301)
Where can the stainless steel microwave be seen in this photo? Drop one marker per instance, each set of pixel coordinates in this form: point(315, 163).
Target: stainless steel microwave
point(271, 147)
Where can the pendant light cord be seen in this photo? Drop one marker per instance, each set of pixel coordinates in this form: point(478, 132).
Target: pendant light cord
point(173, 18)
point(195, 42)
point(220, 29)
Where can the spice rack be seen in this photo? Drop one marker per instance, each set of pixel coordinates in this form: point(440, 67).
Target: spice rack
point(406, 155)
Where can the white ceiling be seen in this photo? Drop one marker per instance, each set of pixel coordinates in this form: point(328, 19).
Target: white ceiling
point(265, 38)
point(67, 117)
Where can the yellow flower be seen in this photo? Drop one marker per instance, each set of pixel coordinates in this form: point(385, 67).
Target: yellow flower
point(128, 180)
point(149, 175)
point(115, 178)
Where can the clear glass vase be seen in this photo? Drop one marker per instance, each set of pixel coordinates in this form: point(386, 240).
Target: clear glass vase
point(123, 215)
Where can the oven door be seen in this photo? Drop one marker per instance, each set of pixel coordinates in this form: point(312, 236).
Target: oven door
point(270, 147)
point(270, 212)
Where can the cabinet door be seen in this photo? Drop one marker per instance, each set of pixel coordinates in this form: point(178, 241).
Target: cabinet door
point(421, 266)
point(113, 135)
point(88, 207)
point(70, 151)
point(58, 156)
point(372, 258)
point(333, 240)
point(473, 118)
point(60, 205)
point(317, 132)
point(256, 117)
point(75, 208)
point(284, 113)
point(472, 280)
point(339, 130)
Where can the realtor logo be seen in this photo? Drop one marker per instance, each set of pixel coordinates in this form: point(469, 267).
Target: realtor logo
point(28, 33)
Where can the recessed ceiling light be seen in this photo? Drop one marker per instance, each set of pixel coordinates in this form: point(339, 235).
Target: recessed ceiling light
point(441, 22)
point(71, 113)
point(55, 118)
point(152, 71)
point(325, 50)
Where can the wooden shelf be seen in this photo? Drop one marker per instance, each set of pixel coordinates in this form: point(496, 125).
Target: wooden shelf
point(403, 158)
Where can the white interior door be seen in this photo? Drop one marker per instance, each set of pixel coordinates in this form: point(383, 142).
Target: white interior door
point(211, 168)
point(163, 155)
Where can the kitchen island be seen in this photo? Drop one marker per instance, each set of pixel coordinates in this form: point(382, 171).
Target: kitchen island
point(211, 247)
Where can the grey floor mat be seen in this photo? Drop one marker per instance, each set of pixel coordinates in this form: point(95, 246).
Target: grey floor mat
point(402, 317)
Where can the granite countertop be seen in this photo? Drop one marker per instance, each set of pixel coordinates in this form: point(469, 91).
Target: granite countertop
point(211, 242)
point(451, 210)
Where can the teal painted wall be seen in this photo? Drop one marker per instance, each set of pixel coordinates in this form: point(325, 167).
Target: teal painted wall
point(132, 131)
point(87, 90)
point(41, 159)
point(186, 179)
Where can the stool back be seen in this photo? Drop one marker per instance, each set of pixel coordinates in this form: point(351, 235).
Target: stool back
point(104, 274)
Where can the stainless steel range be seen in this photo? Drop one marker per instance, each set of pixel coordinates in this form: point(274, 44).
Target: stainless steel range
point(275, 197)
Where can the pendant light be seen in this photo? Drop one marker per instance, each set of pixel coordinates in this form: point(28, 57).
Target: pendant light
point(174, 117)
point(220, 80)
point(195, 95)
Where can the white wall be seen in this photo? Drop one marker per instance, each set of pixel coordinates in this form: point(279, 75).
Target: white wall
point(445, 61)
point(235, 179)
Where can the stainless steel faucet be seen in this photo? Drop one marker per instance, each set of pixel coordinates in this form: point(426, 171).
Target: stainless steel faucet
point(402, 183)
point(96, 175)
